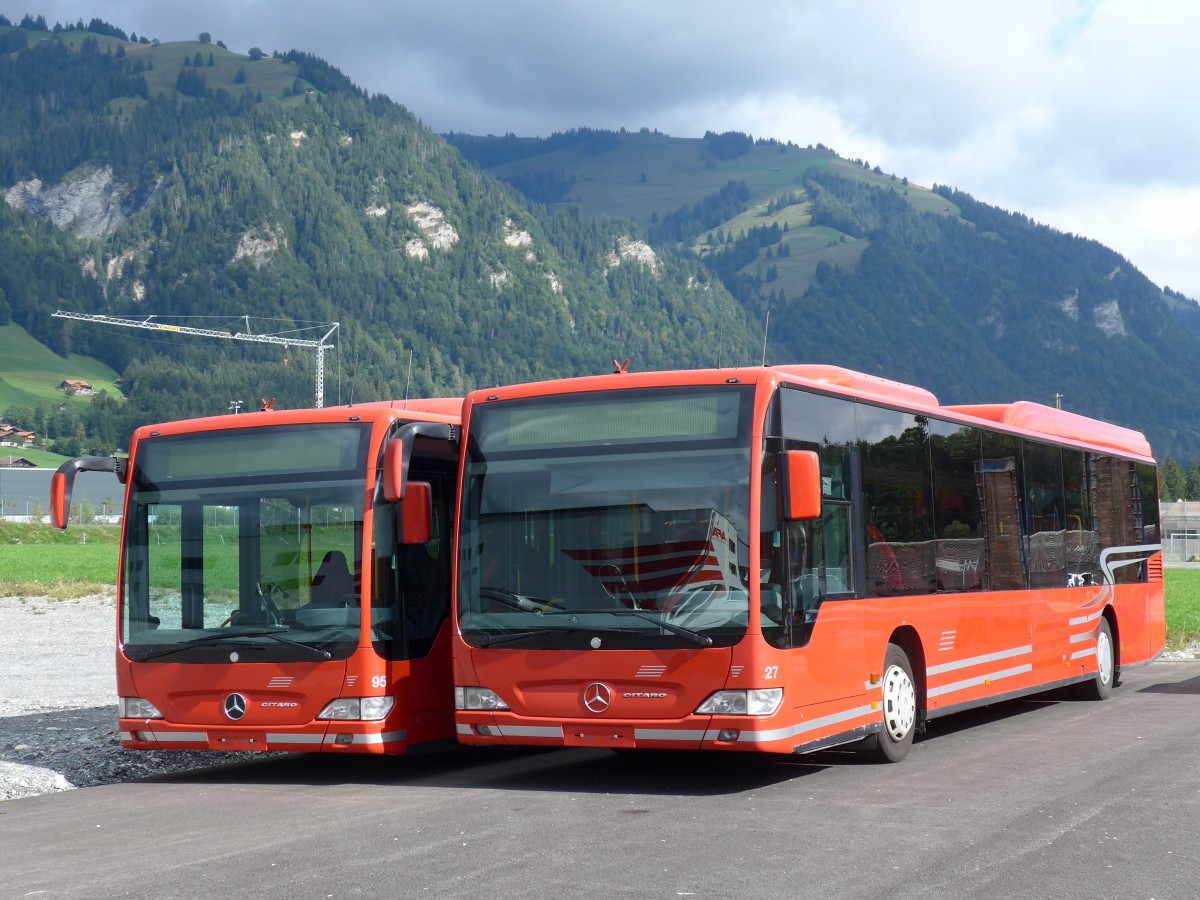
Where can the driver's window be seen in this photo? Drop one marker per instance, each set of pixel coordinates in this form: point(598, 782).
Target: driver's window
point(787, 598)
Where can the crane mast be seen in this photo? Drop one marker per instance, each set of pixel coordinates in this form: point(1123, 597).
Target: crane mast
point(148, 323)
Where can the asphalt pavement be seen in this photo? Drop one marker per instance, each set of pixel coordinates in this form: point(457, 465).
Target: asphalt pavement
point(1043, 797)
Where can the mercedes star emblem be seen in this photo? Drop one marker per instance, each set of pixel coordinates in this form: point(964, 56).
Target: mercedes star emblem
point(597, 697)
point(235, 706)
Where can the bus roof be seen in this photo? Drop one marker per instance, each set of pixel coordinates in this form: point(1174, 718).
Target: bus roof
point(447, 410)
point(1025, 417)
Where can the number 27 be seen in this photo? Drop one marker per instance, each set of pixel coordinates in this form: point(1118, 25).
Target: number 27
point(772, 672)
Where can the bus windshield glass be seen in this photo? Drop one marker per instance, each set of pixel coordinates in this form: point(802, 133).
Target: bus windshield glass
point(245, 544)
point(615, 520)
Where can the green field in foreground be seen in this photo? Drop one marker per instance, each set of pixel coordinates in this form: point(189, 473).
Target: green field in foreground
point(40, 561)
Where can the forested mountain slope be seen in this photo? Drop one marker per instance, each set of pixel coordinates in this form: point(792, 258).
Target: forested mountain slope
point(216, 193)
point(860, 268)
point(184, 180)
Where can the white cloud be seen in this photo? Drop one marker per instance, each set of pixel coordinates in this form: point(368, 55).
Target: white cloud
point(1075, 112)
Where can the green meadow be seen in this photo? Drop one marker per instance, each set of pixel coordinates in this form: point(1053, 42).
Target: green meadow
point(30, 373)
point(39, 561)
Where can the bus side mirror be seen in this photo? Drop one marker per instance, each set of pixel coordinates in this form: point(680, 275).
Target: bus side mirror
point(416, 513)
point(63, 481)
point(803, 497)
point(399, 450)
point(393, 471)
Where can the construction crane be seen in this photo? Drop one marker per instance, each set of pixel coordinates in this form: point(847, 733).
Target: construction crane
point(148, 322)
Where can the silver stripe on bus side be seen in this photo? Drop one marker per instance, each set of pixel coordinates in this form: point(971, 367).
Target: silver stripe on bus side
point(1085, 636)
point(759, 737)
point(294, 738)
point(460, 728)
point(978, 660)
point(330, 740)
point(978, 680)
point(178, 737)
point(542, 731)
point(1080, 654)
point(167, 737)
point(1083, 620)
point(667, 734)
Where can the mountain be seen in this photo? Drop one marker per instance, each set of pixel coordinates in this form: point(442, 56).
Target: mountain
point(184, 181)
point(860, 268)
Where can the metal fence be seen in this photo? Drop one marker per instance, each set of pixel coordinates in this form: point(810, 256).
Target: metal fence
point(25, 494)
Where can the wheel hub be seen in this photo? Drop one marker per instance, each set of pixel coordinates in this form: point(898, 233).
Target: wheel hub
point(899, 703)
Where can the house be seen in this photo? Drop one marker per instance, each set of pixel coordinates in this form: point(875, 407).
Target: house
point(11, 436)
point(74, 386)
point(16, 462)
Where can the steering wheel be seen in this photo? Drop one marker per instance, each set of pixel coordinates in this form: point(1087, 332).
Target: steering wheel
point(267, 600)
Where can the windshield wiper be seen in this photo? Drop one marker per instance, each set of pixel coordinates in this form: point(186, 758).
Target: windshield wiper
point(491, 640)
point(513, 600)
point(702, 639)
point(240, 638)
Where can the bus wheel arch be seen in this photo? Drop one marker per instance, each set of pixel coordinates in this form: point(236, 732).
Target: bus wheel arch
point(907, 639)
point(1115, 635)
point(1107, 674)
point(902, 702)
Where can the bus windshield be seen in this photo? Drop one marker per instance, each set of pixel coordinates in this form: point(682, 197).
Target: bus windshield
point(616, 520)
point(245, 544)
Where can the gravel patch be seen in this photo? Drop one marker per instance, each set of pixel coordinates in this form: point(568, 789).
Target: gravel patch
point(58, 701)
point(58, 710)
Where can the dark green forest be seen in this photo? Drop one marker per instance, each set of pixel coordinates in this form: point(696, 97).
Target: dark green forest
point(322, 176)
point(940, 290)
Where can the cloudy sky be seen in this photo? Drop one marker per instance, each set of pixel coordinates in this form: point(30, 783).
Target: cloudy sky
point(1078, 113)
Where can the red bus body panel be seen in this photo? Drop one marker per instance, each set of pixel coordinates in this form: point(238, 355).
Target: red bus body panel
point(283, 699)
point(967, 649)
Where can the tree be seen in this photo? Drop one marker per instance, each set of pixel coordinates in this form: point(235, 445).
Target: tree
point(240, 77)
point(191, 83)
point(1172, 479)
point(205, 37)
point(256, 53)
point(1193, 481)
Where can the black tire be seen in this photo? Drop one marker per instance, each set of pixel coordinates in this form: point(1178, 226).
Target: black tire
point(1100, 685)
point(899, 708)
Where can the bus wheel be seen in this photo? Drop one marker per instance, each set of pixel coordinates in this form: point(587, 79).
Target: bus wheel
point(1099, 686)
point(899, 707)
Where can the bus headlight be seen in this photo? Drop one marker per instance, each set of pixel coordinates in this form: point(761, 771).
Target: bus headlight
point(361, 709)
point(761, 702)
point(477, 698)
point(137, 708)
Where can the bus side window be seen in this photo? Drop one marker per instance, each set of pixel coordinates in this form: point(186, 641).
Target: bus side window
point(835, 556)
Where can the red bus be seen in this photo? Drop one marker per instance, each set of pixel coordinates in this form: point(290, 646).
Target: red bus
point(786, 559)
point(284, 579)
